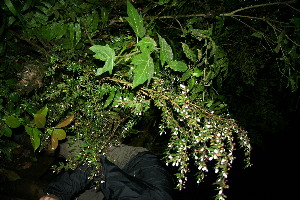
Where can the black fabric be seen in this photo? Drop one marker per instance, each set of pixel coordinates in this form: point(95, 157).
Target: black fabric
point(142, 178)
point(69, 184)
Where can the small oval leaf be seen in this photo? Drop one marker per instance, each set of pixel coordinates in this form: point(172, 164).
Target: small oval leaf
point(65, 122)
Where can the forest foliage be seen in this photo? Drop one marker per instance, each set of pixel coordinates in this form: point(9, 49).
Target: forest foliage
point(93, 71)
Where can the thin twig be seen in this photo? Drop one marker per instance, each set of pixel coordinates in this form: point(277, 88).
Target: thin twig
point(259, 5)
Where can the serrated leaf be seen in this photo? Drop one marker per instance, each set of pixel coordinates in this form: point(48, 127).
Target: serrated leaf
point(188, 52)
point(39, 120)
point(34, 136)
point(178, 66)
point(65, 122)
point(104, 53)
point(135, 20)
point(59, 133)
point(143, 70)
point(166, 53)
point(147, 45)
point(12, 121)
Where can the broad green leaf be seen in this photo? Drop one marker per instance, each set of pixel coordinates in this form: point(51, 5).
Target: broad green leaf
point(34, 134)
point(59, 133)
point(104, 53)
point(178, 66)
point(135, 20)
point(188, 52)
point(147, 45)
point(143, 70)
point(166, 53)
point(43, 111)
point(12, 121)
point(65, 122)
point(39, 120)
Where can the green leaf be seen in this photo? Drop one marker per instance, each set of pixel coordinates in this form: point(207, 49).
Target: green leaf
point(26, 5)
point(143, 70)
point(75, 34)
point(109, 99)
point(59, 133)
point(104, 53)
point(12, 121)
point(147, 45)
point(6, 131)
point(257, 34)
point(104, 16)
point(43, 111)
point(197, 72)
point(166, 53)
point(178, 66)
point(34, 134)
point(39, 120)
point(11, 7)
point(188, 52)
point(135, 20)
